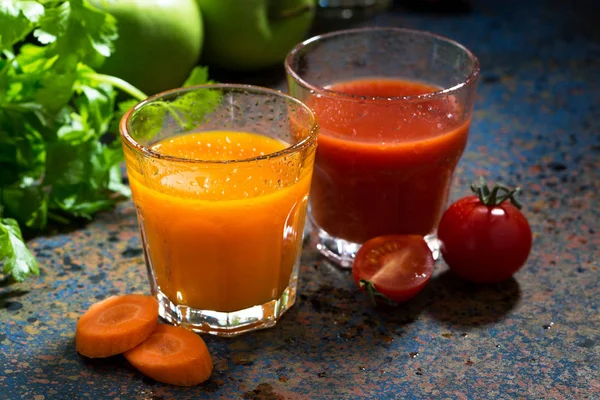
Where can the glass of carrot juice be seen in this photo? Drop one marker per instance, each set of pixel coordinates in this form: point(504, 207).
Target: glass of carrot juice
point(394, 108)
point(220, 176)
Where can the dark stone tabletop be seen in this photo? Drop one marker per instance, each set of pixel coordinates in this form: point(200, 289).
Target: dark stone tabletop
point(536, 336)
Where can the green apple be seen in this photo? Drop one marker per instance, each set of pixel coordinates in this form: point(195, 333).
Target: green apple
point(253, 34)
point(159, 43)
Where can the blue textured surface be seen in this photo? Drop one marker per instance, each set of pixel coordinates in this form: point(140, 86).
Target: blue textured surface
point(536, 336)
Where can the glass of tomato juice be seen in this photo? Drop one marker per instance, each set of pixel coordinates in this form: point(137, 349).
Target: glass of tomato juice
point(394, 108)
point(220, 176)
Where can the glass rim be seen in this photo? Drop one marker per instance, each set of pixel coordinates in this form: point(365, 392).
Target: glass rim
point(126, 137)
point(471, 78)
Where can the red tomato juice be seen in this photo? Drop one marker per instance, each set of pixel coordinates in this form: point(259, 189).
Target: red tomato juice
point(384, 166)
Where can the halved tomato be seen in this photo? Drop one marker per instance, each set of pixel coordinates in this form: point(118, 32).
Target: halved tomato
point(393, 268)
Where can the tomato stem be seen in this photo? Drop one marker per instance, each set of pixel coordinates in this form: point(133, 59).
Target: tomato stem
point(373, 293)
point(497, 195)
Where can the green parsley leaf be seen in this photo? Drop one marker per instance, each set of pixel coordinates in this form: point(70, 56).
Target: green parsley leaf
point(22, 148)
point(27, 203)
point(78, 32)
point(182, 114)
point(17, 19)
point(198, 76)
point(60, 153)
point(18, 260)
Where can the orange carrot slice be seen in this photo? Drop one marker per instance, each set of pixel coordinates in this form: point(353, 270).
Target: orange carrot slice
point(115, 325)
point(172, 355)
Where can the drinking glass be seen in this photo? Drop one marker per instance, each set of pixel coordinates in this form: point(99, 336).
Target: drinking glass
point(221, 226)
point(394, 108)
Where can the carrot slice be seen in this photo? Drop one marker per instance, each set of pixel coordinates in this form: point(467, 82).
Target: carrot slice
point(172, 355)
point(116, 324)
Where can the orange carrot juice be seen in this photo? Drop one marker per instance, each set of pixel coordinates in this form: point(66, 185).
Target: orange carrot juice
point(222, 236)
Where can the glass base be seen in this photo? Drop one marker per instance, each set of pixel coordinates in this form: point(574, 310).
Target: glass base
point(339, 251)
point(342, 252)
point(226, 323)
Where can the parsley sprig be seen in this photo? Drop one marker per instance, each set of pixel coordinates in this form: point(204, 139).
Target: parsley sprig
point(59, 153)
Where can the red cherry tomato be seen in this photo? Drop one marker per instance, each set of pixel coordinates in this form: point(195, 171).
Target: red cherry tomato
point(394, 268)
point(485, 238)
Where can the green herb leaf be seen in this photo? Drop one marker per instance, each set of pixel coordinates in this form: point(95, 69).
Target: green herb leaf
point(182, 114)
point(17, 19)
point(83, 175)
point(78, 32)
point(27, 203)
point(18, 260)
point(198, 76)
point(122, 108)
point(60, 153)
point(22, 150)
point(56, 158)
